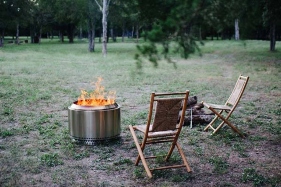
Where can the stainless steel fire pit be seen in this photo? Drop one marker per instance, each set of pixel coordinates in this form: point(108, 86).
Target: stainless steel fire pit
point(89, 124)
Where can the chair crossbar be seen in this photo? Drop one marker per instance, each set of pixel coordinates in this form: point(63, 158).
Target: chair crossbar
point(169, 93)
point(158, 141)
point(163, 99)
point(168, 167)
point(212, 128)
point(150, 157)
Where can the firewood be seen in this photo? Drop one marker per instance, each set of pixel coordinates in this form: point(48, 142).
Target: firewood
point(199, 115)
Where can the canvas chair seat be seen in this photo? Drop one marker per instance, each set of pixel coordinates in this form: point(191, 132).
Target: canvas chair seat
point(215, 106)
point(163, 126)
point(142, 128)
point(228, 107)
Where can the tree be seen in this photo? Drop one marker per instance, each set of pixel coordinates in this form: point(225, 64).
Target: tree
point(41, 18)
point(172, 25)
point(14, 14)
point(93, 16)
point(236, 25)
point(67, 15)
point(271, 17)
point(104, 10)
point(3, 22)
point(124, 14)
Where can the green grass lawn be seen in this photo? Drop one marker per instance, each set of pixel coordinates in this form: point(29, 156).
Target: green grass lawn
point(39, 81)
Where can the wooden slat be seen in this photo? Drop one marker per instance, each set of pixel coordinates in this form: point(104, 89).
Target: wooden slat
point(168, 167)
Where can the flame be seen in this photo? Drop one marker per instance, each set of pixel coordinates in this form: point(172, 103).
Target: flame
point(97, 97)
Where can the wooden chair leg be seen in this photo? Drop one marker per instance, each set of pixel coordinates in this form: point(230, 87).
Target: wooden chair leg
point(140, 152)
point(225, 120)
point(219, 127)
point(170, 151)
point(137, 160)
point(211, 123)
point(234, 128)
point(183, 157)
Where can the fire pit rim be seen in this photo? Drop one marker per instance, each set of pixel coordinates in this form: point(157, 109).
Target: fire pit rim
point(74, 106)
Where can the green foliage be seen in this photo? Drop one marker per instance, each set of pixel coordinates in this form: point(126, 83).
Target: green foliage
point(122, 161)
point(180, 178)
point(44, 119)
point(172, 30)
point(139, 172)
point(199, 151)
point(150, 51)
point(220, 165)
point(48, 131)
point(227, 136)
point(80, 156)
point(277, 111)
point(240, 148)
point(250, 174)
point(5, 132)
point(8, 111)
point(51, 160)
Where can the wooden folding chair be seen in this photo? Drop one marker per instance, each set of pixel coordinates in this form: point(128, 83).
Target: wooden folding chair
point(228, 107)
point(164, 127)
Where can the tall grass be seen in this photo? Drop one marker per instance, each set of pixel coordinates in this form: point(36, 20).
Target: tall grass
point(39, 81)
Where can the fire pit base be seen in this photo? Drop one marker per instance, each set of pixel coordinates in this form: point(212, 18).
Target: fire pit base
point(94, 141)
point(89, 124)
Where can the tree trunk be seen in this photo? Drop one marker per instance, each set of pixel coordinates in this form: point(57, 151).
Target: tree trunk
point(133, 28)
point(107, 38)
point(237, 30)
point(123, 32)
point(112, 34)
point(17, 35)
point(70, 32)
point(81, 34)
point(272, 37)
point(104, 28)
point(40, 35)
point(1, 42)
point(137, 32)
point(61, 36)
point(200, 34)
point(31, 36)
point(91, 35)
point(2, 39)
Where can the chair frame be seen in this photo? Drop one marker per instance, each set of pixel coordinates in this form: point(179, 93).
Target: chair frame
point(228, 107)
point(155, 136)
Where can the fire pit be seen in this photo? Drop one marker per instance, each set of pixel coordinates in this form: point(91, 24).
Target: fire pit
point(88, 124)
point(92, 117)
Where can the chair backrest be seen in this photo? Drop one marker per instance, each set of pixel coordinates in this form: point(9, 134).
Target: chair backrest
point(237, 91)
point(166, 108)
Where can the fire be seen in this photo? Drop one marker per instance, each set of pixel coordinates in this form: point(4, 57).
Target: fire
point(98, 97)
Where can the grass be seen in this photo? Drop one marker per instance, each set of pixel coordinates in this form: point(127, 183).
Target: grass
point(39, 81)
